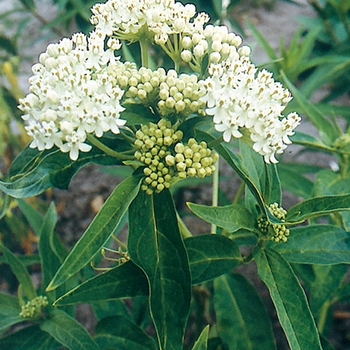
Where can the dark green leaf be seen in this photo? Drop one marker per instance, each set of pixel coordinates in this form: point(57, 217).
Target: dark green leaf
point(49, 261)
point(123, 281)
point(34, 218)
point(33, 172)
point(318, 206)
point(100, 229)
point(155, 245)
point(289, 299)
point(230, 217)
point(118, 332)
point(316, 244)
point(242, 320)
point(67, 331)
point(20, 272)
point(292, 180)
point(29, 338)
point(9, 311)
point(211, 256)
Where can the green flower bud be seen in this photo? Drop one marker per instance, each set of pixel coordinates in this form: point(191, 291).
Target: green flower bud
point(179, 148)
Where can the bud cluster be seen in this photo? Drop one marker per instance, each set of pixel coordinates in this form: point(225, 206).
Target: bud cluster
point(279, 232)
point(33, 307)
point(166, 157)
point(164, 91)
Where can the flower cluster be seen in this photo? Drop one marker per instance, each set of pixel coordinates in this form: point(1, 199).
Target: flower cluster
point(278, 232)
point(80, 87)
point(146, 19)
point(166, 92)
point(240, 99)
point(73, 93)
point(33, 307)
point(166, 157)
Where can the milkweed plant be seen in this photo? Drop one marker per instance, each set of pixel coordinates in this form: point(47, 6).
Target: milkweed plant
point(87, 104)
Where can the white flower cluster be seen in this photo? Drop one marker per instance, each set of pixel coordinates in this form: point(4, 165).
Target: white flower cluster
point(152, 19)
point(241, 99)
point(73, 93)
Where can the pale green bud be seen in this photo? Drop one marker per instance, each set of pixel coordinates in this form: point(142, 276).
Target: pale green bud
point(179, 148)
point(164, 94)
point(170, 102)
point(180, 106)
point(186, 42)
point(170, 160)
point(191, 172)
point(179, 158)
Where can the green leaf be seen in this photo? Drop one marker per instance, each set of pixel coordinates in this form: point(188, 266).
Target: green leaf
point(124, 281)
point(67, 331)
point(9, 311)
point(242, 320)
point(236, 164)
point(20, 272)
point(202, 341)
point(292, 180)
point(323, 288)
point(317, 206)
point(230, 217)
point(49, 261)
point(29, 338)
point(34, 218)
point(119, 332)
point(100, 229)
point(311, 142)
point(33, 172)
point(327, 130)
point(155, 245)
point(211, 256)
point(316, 244)
point(289, 299)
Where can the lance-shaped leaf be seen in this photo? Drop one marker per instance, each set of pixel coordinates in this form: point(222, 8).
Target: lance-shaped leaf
point(231, 218)
point(236, 164)
point(202, 341)
point(33, 172)
point(242, 320)
point(155, 245)
point(100, 229)
point(289, 299)
point(210, 256)
point(9, 311)
point(29, 338)
point(119, 332)
point(124, 281)
point(327, 130)
point(316, 244)
point(67, 331)
point(20, 272)
point(317, 206)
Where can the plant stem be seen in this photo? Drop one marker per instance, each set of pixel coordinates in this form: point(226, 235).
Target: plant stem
point(108, 150)
point(215, 195)
point(144, 52)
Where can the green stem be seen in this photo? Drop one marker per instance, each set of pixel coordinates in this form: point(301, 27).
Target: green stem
point(323, 316)
point(240, 190)
point(215, 195)
point(108, 150)
point(144, 52)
